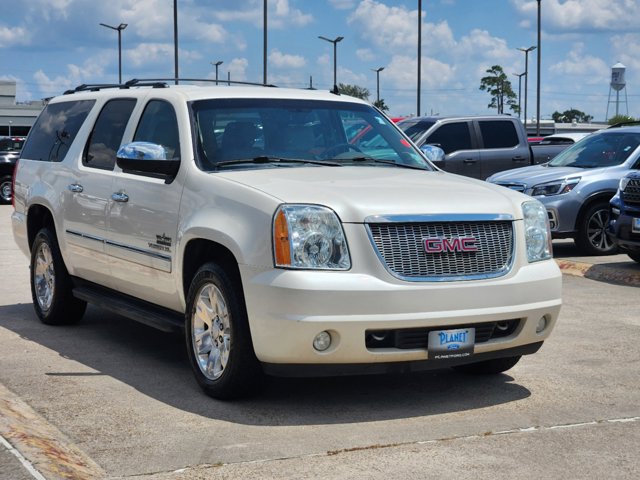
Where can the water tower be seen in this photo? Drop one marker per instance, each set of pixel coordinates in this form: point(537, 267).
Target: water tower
point(617, 84)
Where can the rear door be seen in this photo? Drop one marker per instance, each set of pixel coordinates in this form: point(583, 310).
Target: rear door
point(502, 147)
point(457, 139)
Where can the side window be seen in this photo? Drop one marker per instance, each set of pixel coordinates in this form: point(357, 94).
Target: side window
point(159, 125)
point(55, 130)
point(107, 133)
point(499, 134)
point(451, 137)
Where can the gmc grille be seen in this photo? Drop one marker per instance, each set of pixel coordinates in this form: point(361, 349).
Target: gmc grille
point(401, 248)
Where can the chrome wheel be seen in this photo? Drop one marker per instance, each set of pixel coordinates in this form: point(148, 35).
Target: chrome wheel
point(5, 190)
point(210, 330)
point(44, 276)
point(597, 230)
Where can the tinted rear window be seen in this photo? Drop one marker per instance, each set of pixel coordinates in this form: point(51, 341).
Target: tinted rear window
point(499, 134)
point(55, 130)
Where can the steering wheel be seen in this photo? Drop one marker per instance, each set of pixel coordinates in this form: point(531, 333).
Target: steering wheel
point(340, 148)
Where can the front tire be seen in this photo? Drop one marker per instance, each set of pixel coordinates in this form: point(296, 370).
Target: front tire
point(489, 367)
point(6, 193)
point(635, 256)
point(592, 237)
point(218, 338)
point(51, 287)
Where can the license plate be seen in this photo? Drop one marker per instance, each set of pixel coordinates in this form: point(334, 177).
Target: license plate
point(444, 344)
point(635, 225)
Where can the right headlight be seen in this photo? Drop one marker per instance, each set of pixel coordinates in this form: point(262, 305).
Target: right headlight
point(536, 230)
point(624, 181)
point(309, 237)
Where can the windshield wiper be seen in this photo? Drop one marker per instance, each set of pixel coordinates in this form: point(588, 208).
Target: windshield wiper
point(269, 159)
point(378, 160)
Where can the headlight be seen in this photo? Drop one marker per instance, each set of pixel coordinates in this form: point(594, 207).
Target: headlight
point(624, 181)
point(536, 230)
point(556, 187)
point(309, 237)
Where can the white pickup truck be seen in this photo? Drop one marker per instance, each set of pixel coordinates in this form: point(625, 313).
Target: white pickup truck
point(245, 217)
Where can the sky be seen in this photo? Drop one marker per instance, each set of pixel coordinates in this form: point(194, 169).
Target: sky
point(48, 46)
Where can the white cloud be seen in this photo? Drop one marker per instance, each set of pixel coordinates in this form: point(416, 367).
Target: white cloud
point(343, 4)
point(584, 15)
point(10, 36)
point(145, 54)
point(591, 70)
point(280, 14)
point(365, 54)
point(279, 59)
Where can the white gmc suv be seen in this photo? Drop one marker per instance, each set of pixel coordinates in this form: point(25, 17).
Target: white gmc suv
point(283, 240)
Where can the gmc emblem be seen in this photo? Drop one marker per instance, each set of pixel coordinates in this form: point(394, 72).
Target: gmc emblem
point(445, 245)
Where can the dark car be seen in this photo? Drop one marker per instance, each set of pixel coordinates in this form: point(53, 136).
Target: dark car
point(624, 227)
point(9, 153)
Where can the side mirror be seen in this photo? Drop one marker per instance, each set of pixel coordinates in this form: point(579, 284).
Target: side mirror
point(148, 159)
point(434, 154)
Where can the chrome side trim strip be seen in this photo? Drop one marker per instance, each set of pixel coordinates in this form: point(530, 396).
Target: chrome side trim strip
point(141, 251)
point(84, 235)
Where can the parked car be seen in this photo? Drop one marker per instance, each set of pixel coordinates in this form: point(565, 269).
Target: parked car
point(577, 185)
point(243, 217)
point(550, 146)
point(625, 216)
point(9, 153)
point(476, 146)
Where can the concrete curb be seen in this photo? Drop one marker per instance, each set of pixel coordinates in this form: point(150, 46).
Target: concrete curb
point(599, 272)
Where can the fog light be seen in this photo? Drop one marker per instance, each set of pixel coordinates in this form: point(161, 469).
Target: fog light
point(542, 324)
point(322, 341)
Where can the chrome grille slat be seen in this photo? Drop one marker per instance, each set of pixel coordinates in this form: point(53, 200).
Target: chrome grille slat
point(401, 248)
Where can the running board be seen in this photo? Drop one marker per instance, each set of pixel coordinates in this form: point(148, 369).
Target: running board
point(130, 307)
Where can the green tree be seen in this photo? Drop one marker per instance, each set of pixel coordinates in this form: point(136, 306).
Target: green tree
point(569, 116)
point(381, 105)
point(499, 87)
point(354, 91)
point(621, 119)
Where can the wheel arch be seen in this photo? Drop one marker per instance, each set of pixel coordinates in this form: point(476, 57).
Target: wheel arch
point(38, 216)
point(603, 196)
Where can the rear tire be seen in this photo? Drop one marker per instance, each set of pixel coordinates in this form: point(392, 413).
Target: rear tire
point(592, 237)
point(51, 286)
point(489, 367)
point(6, 184)
point(635, 256)
point(217, 334)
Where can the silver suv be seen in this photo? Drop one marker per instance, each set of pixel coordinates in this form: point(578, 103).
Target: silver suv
point(244, 217)
point(576, 186)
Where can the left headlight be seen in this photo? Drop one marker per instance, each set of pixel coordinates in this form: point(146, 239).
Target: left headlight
point(309, 237)
point(556, 187)
point(536, 229)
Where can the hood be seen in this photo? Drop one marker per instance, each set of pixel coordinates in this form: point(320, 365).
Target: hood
point(537, 174)
point(355, 193)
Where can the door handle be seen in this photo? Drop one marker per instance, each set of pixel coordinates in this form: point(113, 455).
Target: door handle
point(519, 158)
point(75, 188)
point(120, 197)
point(469, 160)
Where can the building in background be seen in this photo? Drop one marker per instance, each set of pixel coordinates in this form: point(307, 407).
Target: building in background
point(16, 119)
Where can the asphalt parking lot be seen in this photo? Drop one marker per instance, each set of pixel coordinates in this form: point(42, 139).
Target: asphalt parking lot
point(110, 398)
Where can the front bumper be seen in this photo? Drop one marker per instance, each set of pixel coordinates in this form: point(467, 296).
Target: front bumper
point(620, 227)
point(563, 213)
point(287, 309)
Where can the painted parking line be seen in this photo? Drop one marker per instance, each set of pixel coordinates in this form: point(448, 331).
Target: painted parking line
point(42, 449)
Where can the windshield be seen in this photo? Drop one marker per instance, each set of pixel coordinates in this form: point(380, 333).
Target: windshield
point(604, 150)
point(414, 129)
point(271, 133)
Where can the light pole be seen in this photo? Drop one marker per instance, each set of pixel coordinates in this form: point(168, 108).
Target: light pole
point(264, 43)
point(538, 83)
point(519, 75)
point(175, 40)
point(118, 29)
point(377, 70)
point(335, 61)
point(419, 52)
point(217, 64)
point(526, 80)
point(10, 122)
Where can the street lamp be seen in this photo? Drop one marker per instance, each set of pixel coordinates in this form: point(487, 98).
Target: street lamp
point(335, 62)
point(118, 29)
point(217, 64)
point(264, 43)
point(419, 53)
point(10, 122)
point(377, 70)
point(519, 75)
point(526, 80)
point(175, 40)
point(538, 74)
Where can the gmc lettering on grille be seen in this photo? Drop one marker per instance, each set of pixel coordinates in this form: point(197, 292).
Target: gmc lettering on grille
point(446, 245)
